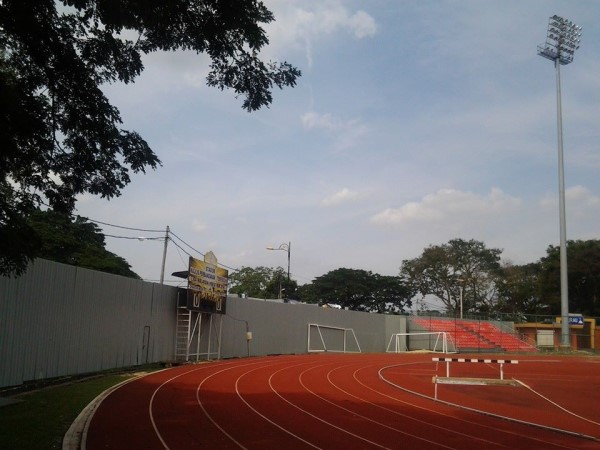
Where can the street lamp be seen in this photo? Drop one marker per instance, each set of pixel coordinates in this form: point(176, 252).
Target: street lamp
point(286, 248)
point(460, 287)
point(561, 42)
point(461, 302)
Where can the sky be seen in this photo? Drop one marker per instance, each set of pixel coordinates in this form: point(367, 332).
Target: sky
point(414, 123)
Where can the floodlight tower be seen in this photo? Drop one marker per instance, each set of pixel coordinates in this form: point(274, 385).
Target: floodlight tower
point(561, 42)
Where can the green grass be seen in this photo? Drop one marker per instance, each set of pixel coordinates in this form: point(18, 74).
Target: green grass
point(41, 418)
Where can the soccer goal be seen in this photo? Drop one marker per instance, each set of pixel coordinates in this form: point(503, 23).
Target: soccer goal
point(325, 338)
point(436, 341)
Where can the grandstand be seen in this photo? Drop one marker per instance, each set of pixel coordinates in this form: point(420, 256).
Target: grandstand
point(473, 335)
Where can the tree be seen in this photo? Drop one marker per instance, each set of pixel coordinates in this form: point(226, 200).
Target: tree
point(280, 286)
point(446, 270)
point(76, 242)
point(519, 291)
point(359, 290)
point(262, 282)
point(60, 136)
point(583, 267)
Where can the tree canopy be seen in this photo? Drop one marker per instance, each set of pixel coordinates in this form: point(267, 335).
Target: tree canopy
point(360, 290)
point(60, 136)
point(262, 282)
point(583, 273)
point(519, 291)
point(446, 270)
point(76, 242)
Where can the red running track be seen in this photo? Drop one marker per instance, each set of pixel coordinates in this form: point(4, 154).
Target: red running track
point(329, 401)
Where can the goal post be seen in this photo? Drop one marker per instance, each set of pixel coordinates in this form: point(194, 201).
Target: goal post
point(325, 338)
point(435, 341)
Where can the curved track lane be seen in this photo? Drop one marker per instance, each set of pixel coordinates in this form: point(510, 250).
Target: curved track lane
point(328, 401)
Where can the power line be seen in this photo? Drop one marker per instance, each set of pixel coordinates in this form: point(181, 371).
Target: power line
point(135, 238)
point(122, 227)
point(180, 247)
point(153, 238)
point(199, 252)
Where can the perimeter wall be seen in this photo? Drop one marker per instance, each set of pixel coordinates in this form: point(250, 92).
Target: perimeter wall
point(59, 320)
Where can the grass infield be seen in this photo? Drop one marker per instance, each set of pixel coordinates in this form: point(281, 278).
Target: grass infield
point(40, 419)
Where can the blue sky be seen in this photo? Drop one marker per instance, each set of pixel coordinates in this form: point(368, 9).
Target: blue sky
point(415, 122)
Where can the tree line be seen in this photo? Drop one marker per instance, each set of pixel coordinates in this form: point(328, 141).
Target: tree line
point(459, 272)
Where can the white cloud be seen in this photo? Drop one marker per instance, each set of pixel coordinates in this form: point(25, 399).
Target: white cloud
point(448, 204)
point(362, 25)
point(582, 196)
point(347, 132)
point(318, 18)
point(343, 196)
point(296, 27)
point(199, 226)
point(312, 120)
point(578, 200)
point(374, 117)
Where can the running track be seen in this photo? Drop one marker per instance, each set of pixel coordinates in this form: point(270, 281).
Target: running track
point(370, 401)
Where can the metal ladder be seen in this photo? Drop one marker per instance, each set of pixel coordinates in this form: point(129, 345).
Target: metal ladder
point(182, 333)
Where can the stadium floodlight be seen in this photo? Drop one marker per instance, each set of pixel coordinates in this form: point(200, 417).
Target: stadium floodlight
point(561, 42)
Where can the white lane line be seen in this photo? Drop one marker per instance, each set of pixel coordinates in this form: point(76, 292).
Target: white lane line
point(451, 417)
point(406, 416)
point(370, 403)
point(265, 417)
point(498, 416)
point(207, 414)
point(556, 404)
point(151, 404)
point(315, 416)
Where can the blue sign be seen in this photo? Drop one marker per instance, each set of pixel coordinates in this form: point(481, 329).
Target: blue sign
point(575, 319)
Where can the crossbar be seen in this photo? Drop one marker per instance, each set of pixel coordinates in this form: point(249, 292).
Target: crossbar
point(476, 360)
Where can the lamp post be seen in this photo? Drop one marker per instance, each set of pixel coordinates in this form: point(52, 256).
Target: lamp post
point(461, 302)
point(561, 42)
point(286, 248)
point(460, 287)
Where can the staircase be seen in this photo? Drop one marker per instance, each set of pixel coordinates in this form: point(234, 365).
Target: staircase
point(475, 336)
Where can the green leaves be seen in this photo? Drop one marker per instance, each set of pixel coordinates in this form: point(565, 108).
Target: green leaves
point(59, 134)
point(444, 270)
point(262, 282)
point(76, 242)
point(362, 290)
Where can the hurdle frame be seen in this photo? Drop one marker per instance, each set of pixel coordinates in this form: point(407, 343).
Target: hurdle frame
point(472, 381)
point(476, 360)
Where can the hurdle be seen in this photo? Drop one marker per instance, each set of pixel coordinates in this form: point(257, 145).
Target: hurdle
point(475, 360)
point(472, 381)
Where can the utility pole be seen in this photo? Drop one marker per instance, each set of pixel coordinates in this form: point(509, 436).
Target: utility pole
point(164, 258)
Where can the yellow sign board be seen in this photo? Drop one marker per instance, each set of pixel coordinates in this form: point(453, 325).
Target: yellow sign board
point(207, 285)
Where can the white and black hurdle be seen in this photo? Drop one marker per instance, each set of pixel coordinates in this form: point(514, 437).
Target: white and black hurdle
point(475, 360)
point(473, 381)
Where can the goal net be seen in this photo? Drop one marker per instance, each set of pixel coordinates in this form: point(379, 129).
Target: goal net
point(324, 338)
point(436, 341)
